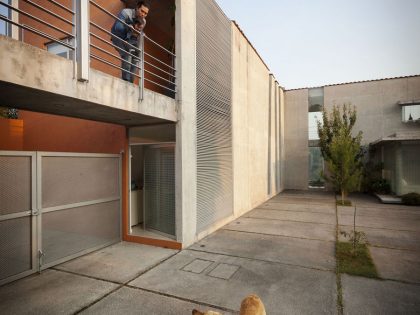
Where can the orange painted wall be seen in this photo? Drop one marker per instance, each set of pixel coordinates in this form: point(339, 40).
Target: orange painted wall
point(44, 132)
point(11, 134)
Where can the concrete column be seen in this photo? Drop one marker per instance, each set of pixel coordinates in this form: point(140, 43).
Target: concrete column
point(186, 128)
point(398, 169)
point(82, 39)
point(15, 18)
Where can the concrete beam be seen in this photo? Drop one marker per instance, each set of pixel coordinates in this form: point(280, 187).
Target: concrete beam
point(33, 79)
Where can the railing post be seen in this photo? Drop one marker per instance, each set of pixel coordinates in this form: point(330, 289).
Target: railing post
point(141, 81)
point(82, 39)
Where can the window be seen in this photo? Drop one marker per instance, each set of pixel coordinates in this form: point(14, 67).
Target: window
point(5, 28)
point(316, 103)
point(411, 113)
point(60, 50)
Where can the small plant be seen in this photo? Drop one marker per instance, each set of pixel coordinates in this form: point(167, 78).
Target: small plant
point(343, 202)
point(412, 199)
point(356, 238)
point(381, 186)
point(9, 113)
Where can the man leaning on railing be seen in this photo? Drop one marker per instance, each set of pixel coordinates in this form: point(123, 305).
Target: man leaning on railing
point(136, 19)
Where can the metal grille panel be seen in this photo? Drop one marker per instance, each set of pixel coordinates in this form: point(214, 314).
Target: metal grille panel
point(15, 247)
point(15, 184)
point(214, 135)
point(159, 189)
point(68, 180)
point(68, 232)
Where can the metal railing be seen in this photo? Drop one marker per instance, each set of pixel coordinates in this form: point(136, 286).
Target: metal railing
point(48, 24)
point(142, 65)
point(94, 42)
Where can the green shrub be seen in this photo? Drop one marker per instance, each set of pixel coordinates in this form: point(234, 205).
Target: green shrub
point(412, 199)
point(381, 186)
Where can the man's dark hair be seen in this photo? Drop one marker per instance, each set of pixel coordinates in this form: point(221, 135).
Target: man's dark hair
point(143, 3)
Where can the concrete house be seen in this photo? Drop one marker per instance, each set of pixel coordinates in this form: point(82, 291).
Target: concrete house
point(193, 143)
point(204, 134)
point(388, 113)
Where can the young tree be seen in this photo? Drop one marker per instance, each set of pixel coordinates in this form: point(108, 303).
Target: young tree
point(341, 151)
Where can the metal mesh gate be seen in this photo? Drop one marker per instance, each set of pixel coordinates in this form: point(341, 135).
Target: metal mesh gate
point(80, 204)
point(56, 206)
point(17, 224)
point(214, 135)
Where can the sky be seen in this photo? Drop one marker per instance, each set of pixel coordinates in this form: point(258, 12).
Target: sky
point(310, 43)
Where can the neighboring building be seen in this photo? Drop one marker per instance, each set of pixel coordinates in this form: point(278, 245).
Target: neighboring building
point(94, 159)
point(388, 113)
point(203, 135)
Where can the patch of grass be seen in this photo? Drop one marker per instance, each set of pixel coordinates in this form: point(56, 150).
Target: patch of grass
point(346, 203)
point(358, 264)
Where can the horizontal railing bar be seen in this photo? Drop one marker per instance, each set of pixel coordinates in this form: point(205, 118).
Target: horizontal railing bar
point(149, 55)
point(110, 54)
point(31, 29)
point(168, 51)
point(50, 12)
point(62, 6)
point(112, 35)
point(159, 76)
point(160, 85)
point(36, 19)
point(116, 47)
point(111, 64)
point(156, 67)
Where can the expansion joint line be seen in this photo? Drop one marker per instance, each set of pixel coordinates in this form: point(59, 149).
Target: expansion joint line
point(340, 305)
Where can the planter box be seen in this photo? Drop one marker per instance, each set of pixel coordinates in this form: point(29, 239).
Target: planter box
point(11, 134)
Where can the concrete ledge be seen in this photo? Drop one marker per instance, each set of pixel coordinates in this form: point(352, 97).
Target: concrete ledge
point(34, 79)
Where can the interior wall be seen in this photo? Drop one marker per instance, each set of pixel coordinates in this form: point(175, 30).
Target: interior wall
point(45, 132)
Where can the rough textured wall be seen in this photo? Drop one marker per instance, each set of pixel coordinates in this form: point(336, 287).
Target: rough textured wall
point(378, 112)
point(254, 124)
point(296, 139)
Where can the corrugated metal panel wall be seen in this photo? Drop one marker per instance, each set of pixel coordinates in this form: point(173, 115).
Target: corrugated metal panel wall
point(214, 134)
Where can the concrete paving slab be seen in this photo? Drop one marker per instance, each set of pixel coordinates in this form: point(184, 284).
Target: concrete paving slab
point(316, 208)
point(316, 231)
point(283, 289)
point(325, 218)
point(390, 212)
point(308, 200)
point(397, 264)
point(391, 223)
point(370, 296)
point(52, 292)
point(389, 238)
point(287, 250)
point(119, 263)
point(135, 301)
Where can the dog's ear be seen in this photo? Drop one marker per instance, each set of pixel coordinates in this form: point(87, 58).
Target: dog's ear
point(195, 312)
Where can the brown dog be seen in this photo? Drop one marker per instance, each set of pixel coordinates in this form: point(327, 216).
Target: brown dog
point(251, 305)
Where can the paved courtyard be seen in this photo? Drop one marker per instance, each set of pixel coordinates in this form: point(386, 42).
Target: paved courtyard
point(283, 250)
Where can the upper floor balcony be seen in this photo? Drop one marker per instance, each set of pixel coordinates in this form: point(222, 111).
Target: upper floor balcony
point(57, 57)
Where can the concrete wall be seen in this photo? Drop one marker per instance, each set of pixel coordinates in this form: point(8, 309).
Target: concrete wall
point(255, 119)
point(376, 102)
point(378, 116)
point(296, 139)
point(186, 127)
